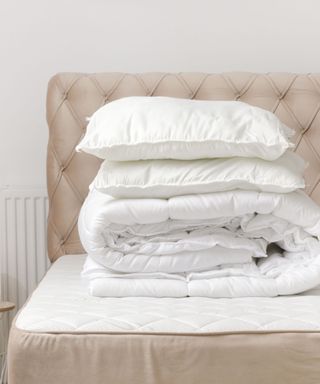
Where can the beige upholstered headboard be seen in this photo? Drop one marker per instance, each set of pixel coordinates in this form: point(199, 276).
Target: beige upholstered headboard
point(73, 96)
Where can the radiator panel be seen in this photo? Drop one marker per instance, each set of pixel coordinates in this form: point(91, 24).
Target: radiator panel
point(23, 252)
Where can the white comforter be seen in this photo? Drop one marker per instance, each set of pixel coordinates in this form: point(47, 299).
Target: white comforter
point(223, 244)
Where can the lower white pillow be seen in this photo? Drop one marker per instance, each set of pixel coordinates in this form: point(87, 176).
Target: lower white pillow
point(167, 178)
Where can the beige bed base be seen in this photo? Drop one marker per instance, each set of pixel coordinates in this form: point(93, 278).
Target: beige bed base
point(238, 358)
point(234, 358)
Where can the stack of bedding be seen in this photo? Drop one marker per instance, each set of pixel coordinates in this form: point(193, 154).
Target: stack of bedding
point(196, 198)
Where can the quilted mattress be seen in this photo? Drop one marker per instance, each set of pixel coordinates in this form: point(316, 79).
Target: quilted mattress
point(63, 335)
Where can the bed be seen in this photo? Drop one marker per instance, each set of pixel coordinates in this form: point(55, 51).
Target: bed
point(63, 335)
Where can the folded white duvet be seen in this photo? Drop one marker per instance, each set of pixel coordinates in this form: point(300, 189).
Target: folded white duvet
point(223, 244)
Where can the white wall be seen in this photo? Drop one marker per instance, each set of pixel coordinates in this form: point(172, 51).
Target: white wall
point(41, 37)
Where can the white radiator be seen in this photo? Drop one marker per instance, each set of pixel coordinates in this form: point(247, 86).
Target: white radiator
point(23, 249)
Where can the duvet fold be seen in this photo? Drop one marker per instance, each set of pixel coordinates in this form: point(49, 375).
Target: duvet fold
point(223, 244)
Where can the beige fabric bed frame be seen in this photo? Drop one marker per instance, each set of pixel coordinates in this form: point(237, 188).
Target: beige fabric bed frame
point(72, 97)
point(282, 357)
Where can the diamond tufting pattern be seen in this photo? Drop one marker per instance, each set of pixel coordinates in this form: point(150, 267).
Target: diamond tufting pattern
point(72, 97)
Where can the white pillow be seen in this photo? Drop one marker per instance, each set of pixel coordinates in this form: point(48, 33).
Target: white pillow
point(136, 128)
point(167, 178)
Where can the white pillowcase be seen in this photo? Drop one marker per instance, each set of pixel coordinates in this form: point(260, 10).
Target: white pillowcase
point(167, 178)
point(136, 128)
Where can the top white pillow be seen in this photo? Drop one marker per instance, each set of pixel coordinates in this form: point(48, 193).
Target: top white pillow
point(141, 128)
